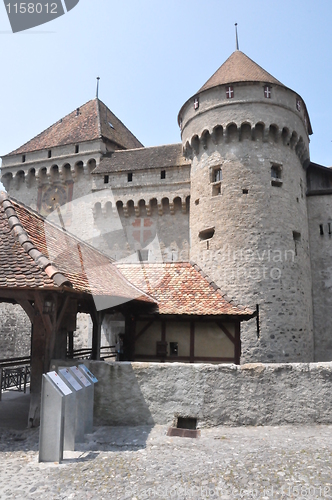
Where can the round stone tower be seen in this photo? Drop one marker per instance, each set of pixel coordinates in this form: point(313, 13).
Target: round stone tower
point(247, 136)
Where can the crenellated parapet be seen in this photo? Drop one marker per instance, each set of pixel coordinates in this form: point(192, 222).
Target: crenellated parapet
point(141, 207)
point(30, 175)
point(224, 134)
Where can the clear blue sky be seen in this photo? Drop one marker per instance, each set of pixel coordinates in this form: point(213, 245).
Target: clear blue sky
point(152, 55)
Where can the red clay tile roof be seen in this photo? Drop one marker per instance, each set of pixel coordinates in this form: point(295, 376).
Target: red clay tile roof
point(142, 158)
point(181, 288)
point(91, 121)
point(239, 68)
point(35, 253)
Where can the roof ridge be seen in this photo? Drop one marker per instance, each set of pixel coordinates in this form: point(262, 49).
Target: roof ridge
point(236, 75)
point(98, 116)
point(121, 122)
point(46, 129)
point(21, 235)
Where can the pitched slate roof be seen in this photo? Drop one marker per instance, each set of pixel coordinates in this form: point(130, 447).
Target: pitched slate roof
point(142, 158)
point(35, 253)
point(91, 121)
point(239, 68)
point(181, 288)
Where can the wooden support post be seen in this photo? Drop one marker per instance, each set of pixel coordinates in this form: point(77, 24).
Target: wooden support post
point(237, 347)
point(40, 361)
point(25, 379)
point(60, 348)
point(96, 334)
point(71, 345)
point(192, 341)
point(129, 339)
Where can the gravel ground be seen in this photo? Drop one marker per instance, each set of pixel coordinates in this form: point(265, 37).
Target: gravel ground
point(142, 462)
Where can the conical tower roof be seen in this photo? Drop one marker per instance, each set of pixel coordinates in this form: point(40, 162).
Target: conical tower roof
point(239, 68)
point(91, 121)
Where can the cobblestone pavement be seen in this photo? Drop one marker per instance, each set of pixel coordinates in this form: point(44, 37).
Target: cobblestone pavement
point(142, 462)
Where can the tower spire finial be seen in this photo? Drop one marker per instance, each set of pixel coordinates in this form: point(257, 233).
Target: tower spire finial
point(237, 40)
point(97, 91)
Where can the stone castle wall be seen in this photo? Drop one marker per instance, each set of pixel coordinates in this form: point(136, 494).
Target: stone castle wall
point(248, 213)
point(15, 332)
point(320, 230)
point(252, 394)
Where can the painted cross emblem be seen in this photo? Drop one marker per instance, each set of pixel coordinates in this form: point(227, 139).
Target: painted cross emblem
point(229, 92)
point(196, 103)
point(142, 231)
point(267, 92)
point(298, 104)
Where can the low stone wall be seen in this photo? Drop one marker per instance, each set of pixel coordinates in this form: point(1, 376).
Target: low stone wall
point(252, 394)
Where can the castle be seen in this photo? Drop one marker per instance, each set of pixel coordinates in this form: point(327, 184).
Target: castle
point(239, 197)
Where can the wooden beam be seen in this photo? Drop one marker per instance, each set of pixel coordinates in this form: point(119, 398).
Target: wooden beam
point(62, 312)
point(39, 302)
point(205, 359)
point(226, 331)
point(237, 343)
point(96, 334)
point(14, 294)
point(192, 341)
point(144, 329)
point(28, 308)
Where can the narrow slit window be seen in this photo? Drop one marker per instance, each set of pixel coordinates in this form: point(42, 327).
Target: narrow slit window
point(321, 229)
point(130, 177)
point(297, 240)
point(276, 175)
point(163, 174)
point(106, 179)
point(49, 153)
point(23, 158)
point(77, 148)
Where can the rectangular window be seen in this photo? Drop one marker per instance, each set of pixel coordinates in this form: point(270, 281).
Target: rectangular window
point(49, 154)
point(216, 178)
point(163, 174)
point(106, 179)
point(77, 148)
point(130, 177)
point(23, 158)
point(276, 174)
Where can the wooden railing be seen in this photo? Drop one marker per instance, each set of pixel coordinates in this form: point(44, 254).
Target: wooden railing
point(106, 352)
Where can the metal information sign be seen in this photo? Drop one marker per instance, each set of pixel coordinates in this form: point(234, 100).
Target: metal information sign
point(74, 416)
point(88, 398)
point(52, 416)
point(88, 374)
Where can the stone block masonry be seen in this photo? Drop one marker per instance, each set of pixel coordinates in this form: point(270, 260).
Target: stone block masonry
point(251, 394)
